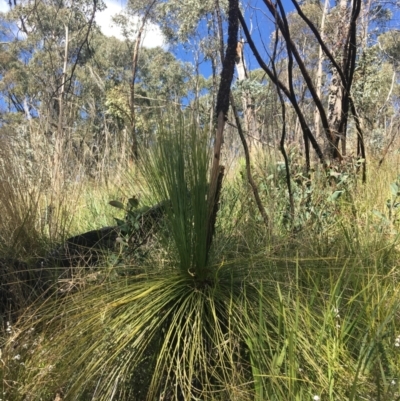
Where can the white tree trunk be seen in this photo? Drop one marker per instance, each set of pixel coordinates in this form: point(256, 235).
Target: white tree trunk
point(318, 84)
point(247, 101)
point(336, 88)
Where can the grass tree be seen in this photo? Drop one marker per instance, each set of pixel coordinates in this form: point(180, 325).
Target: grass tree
point(169, 331)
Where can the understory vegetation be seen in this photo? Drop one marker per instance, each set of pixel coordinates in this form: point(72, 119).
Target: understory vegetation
point(306, 308)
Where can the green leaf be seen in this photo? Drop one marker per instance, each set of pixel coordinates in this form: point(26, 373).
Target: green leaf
point(380, 215)
point(119, 222)
point(336, 195)
point(133, 202)
point(117, 204)
point(394, 188)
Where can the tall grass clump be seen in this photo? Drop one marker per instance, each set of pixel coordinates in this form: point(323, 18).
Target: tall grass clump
point(177, 172)
point(39, 210)
point(327, 334)
point(19, 205)
point(165, 333)
point(29, 221)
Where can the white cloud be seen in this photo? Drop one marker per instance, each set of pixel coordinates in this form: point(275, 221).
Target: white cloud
point(4, 7)
point(152, 37)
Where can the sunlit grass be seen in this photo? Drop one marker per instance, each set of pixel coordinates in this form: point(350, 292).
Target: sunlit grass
point(294, 312)
point(262, 331)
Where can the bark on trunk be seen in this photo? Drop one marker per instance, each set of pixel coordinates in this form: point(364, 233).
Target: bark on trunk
point(222, 108)
point(318, 84)
point(335, 99)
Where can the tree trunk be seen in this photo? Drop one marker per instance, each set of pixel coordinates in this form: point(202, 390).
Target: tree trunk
point(247, 100)
point(59, 136)
point(335, 99)
point(222, 108)
point(334, 112)
point(318, 84)
point(135, 58)
point(132, 128)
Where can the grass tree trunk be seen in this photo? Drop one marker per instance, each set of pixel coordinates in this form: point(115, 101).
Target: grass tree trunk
point(222, 108)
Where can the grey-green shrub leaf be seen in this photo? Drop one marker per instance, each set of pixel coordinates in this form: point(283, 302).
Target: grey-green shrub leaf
point(336, 195)
point(380, 215)
point(394, 188)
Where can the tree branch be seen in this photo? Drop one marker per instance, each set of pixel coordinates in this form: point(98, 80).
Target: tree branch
point(284, 28)
point(305, 128)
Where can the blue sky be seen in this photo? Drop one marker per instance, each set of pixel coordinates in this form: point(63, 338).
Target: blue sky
point(261, 28)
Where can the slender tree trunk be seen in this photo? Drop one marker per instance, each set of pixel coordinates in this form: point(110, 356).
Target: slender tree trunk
point(366, 7)
point(59, 137)
point(365, 23)
point(334, 112)
point(335, 99)
point(214, 80)
point(318, 84)
point(222, 108)
point(247, 100)
point(135, 58)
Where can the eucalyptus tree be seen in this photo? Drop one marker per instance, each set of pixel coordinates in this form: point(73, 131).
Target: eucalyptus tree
point(74, 93)
point(53, 43)
point(179, 24)
point(43, 59)
point(161, 85)
point(142, 13)
point(325, 45)
point(374, 91)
